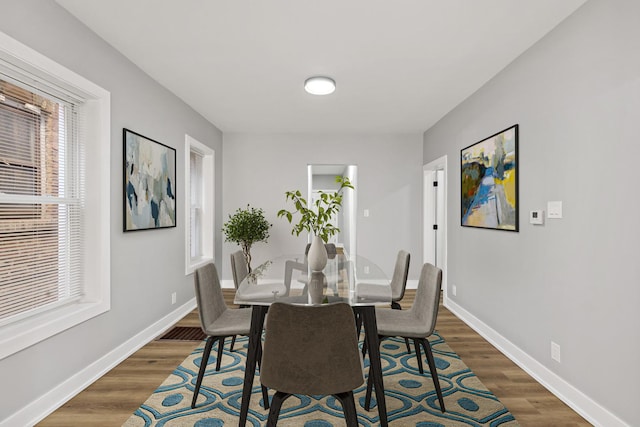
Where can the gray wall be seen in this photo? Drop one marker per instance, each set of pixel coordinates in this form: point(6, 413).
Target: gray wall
point(574, 281)
point(259, 168)
point(147, 266)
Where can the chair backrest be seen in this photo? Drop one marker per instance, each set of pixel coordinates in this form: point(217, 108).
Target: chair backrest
point(209, 296)
point(400, 274)
point(311, 350)
point(427, 300)
point(331, 249)
point(239, 268)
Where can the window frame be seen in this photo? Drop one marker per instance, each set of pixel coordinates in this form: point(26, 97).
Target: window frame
point(19, 59)
point(207, 197)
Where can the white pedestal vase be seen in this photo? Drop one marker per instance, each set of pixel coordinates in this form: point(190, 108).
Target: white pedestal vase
point(316, 287)
point(317, 256)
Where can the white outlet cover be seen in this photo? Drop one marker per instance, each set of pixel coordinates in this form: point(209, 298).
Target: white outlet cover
point(554, 209)
point(555, 351)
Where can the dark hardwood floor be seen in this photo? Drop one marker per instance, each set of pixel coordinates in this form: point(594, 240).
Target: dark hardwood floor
point(112, 399)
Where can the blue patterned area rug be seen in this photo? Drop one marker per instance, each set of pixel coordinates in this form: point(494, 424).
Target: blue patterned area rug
point(410, 397)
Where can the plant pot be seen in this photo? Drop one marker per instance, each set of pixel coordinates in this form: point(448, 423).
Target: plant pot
point(317, 256)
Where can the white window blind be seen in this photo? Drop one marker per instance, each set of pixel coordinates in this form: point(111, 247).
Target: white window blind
point(41, 197)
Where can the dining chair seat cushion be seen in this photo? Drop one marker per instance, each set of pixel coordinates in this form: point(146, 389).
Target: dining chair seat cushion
point(311, 350)
point(393, 323)
point(230, 322)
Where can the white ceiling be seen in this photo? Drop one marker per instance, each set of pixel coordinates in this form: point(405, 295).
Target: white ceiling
point(399, 65)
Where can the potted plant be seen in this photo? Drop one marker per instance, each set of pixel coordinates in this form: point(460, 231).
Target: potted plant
point(246, 227)
point(315, 218)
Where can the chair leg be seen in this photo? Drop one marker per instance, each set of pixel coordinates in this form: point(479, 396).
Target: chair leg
point(259, 356)
point(276, 404)
point(203, 368)
point(406, 342)
point(348, 407)
point(434, 372)
point(220, 349)
point(396, 306)
point(233, 341)
point(364, 347)
point(367, 398)
point(418, 355)
point(265, 397)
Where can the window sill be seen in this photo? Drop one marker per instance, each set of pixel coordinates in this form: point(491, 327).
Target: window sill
point(17, 336)
point(197, 263)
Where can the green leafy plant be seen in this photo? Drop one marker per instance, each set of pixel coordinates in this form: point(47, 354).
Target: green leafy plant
point(315, 218)
point(246, 227)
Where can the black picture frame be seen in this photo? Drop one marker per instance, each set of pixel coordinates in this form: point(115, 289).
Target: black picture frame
point(149, 183)
point(489, 195)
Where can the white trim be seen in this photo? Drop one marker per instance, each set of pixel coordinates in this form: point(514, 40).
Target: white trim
point(37, 410)
point(97, 264)
point(227, 284)
point(592, 411)
point(435, 165)
point(208, 189)
point(412, 284)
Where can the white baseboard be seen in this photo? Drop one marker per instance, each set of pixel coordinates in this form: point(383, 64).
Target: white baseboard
point(227, 284)
point(37, 410)
point(574, 398)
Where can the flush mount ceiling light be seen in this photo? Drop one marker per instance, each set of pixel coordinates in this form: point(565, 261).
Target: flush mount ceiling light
point(319, 85)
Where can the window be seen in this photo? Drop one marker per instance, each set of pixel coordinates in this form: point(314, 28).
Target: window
point(37, 230)
point(199, 206)
point(54, 240)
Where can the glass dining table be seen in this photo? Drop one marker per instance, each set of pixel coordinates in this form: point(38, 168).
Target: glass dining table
point(354, 280)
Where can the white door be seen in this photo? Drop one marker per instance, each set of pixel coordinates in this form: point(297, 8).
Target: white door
point(435, 214)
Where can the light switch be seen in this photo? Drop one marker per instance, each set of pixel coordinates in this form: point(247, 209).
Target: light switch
point(366, 213)
point(554, 209)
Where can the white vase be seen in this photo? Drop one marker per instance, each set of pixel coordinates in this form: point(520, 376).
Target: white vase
point(317, 256)
point(316, 286)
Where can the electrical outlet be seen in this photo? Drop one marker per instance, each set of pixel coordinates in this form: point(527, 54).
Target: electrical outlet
point(173, 298)
point(454, 290)
point(555, 351)
point(366, 269)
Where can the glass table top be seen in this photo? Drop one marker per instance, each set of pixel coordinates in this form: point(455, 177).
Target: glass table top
point(356, 281)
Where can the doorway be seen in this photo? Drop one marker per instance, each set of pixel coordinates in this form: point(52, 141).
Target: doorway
point(435, 215)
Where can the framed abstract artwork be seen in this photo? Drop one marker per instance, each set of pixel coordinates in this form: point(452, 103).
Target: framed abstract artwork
point(489, 182)
point(149, 183)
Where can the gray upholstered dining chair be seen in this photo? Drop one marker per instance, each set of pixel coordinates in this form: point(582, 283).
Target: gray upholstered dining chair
point(239, 268)
point(216, 320)
point(327, 364)
point(239, 271)
point(399, 278)
point(417, 323)
point(399, 283)
point(398, 286)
